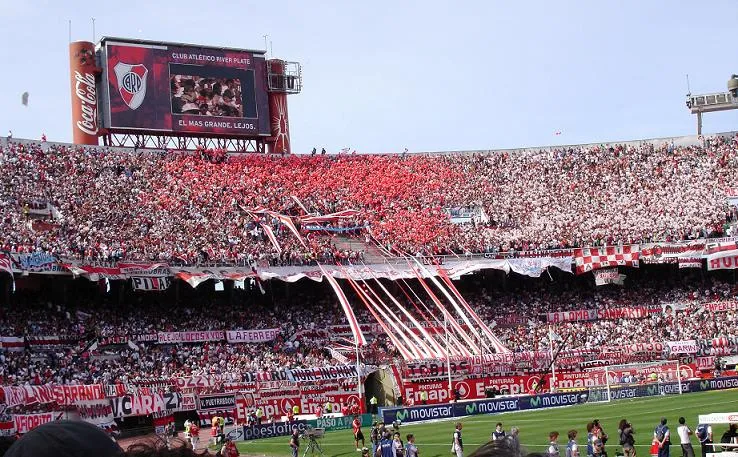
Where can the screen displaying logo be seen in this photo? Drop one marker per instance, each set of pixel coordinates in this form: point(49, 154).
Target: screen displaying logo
point(401, 415)
point(131, 83)
point(471, 409)
point(535, 402)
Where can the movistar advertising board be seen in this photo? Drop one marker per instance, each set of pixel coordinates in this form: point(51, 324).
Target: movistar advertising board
point(502, 405)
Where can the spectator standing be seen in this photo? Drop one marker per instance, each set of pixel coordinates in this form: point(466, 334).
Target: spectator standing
point(685, 441)
point(229, 449)
point(386, 446)
point(373, 404)
point(662, 436)
point(259, 415)
point(553, 445)
point(374, 436)
point(704, 434)
point(498, 433)
point(411, 450)
point(399, 445)
point(457, 445)
point(295, 442)
point(626, 438)
point(572, 448)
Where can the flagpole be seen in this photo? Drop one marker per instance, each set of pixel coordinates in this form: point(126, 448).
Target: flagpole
point(553, 362)
point(448, 354)
point(358, 375)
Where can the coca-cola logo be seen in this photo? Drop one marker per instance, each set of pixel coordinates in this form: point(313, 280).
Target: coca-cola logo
point(87, 95)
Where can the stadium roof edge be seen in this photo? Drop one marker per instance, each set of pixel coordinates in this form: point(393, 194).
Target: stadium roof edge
point(687, 140)
point(677, 141)
point(107, 39)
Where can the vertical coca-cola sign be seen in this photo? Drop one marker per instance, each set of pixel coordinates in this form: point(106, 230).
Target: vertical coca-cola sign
point(82, 70)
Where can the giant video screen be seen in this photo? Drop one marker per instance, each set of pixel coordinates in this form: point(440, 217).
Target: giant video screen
point(159, 87)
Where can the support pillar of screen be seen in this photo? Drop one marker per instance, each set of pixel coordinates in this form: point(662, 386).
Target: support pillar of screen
point(83, 73)
point(279, 122)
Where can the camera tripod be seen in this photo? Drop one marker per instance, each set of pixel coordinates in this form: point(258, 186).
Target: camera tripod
point(312, 446)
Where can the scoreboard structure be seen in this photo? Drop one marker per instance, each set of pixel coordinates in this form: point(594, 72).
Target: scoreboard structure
point(151, 94)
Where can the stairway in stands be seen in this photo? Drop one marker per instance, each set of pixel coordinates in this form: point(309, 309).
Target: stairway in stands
point(372, 254)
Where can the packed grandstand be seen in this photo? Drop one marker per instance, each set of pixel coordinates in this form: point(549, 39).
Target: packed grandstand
point(74, 219)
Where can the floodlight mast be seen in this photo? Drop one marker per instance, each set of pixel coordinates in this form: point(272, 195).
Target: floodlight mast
point(710, 103)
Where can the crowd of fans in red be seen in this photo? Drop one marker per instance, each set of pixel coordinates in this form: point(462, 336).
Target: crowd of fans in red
point(302, 344)
point(188, 207)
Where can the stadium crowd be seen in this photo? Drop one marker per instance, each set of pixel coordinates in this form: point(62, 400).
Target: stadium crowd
point(112, 204)
point(305, 341)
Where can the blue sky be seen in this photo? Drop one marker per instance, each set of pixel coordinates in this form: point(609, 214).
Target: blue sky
point(427, 75)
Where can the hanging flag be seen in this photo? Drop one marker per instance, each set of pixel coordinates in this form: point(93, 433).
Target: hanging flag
point(299, 203)
point(270, 234)
point(353, 323)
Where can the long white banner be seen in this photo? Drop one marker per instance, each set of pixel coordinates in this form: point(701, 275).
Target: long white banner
point(726, 260)
point(683, 347)
point(96, 412)
point(252, 336)
point(190, 337)
point(143, 405)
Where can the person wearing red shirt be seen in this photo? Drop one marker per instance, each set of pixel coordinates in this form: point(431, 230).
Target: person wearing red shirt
point(358, 435)
point(194, 435)
point(229, 449)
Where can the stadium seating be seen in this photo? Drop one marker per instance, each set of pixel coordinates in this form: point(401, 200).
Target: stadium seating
point(176, 207)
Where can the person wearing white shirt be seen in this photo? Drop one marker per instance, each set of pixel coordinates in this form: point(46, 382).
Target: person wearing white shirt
point(685, 433)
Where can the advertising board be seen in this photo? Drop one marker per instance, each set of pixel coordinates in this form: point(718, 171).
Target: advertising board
point(155, 86)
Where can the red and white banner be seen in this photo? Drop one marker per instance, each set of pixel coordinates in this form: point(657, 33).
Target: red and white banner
point(683, 347)
point(345, 214)
point(190, 337)
point(345, 330)
point(609, 276)
point(12, 343)
point(144, 269)
point(24, 423)
point(6, 264)
point(705, 363)
point(95, 273)
point(598, 314)
point(252, 336)
point(7, 428)
point(96, 412)
point(276, 404)
point(720, 306)
point(322, 373)
point(723, 245)
point(723, 260)
point(589, 259)
point(53, 393)
point(51, 341)
point(151, 282)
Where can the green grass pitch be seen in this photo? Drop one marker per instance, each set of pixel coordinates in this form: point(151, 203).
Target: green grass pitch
point(434, 439)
